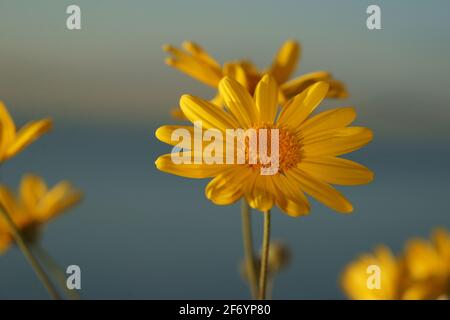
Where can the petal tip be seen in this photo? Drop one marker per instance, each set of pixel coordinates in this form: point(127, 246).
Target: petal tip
point(369, 133)
point(170, 61)
point(158, 163)
point(166, 47)
point(158, 133)
point(347, 209)
point(292, 42)
point(322, 85)
point(48, 123)
point(188, 44)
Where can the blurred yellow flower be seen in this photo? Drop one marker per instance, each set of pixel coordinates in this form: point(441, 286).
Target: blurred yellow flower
point(356, 275)
point(279, 257)
point(421, 272)
point(197, 63)
point(309, 147)
point(427, 264)
point(12, 141)
point(34, 206)
point(278, 260)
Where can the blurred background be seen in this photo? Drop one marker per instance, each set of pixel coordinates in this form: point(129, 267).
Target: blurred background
point(144, 234)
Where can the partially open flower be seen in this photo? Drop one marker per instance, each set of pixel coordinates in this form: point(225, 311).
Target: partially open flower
point(197, 63)
point(34, 206)
point(279, 258)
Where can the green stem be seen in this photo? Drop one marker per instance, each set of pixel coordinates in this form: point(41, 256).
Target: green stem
point(264, 256)
point(55, 270)
point(29, 255)
point(248, 248)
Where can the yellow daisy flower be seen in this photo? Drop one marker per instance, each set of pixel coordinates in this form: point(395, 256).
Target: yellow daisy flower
point(12, 141)
point(309, 147)
point(34, 206)
point(197, 63)
point(427, 265)
point(421, 272)
point(356, 275)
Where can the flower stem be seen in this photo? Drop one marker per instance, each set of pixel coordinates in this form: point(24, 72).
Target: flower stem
point(248, 248)
point(264, 256)
point(29, 255)
point(55, 270)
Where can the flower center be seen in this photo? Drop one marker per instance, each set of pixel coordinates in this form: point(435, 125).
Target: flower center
point(281, 146)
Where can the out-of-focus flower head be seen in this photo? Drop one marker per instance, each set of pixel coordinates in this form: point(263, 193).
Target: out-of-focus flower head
point(194, 61)
point(422, 271)
point(34, 206)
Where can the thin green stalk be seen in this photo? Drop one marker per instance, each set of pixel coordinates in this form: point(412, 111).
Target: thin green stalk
point(249, 255)
point(55, 270)
point(264, 256)
point(29, 255)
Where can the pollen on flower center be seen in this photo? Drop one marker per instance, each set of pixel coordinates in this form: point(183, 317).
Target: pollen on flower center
point(288, 148)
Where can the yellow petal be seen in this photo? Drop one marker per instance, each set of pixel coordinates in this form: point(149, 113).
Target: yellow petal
point(8, 200)
point(300, 107)
point(238, 101)
point(7, 128)
point(337, 90)
point(46, 207)
point(227, 188)
point(259, 192)
point(344, 141)
point(217, 101)
point(198, 52)
point(5, 241)
point(441, 239)
point(196, 171)
point(165, 133)
point(285, 61)
point(321, 136)
point(196, 109)
point(297, 85)
point(236, 71)
point(252, 75)
point(336, 170)
point(289, 196)
point(176, 113)
point(28, 134)
point(190, 138)
point(70, 199)
point(322, 192)
point(32, 190)
point(424, 261)
point(9, 203)
point(330, 119)
point(266, 98)
point(193, 66)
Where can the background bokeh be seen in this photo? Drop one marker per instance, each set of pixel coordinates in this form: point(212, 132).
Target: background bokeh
point(143, 234)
